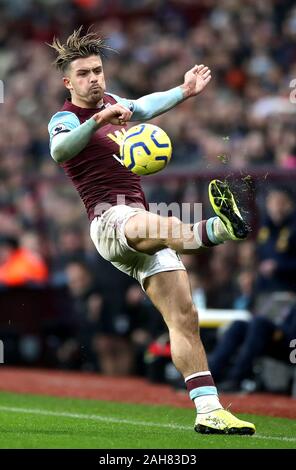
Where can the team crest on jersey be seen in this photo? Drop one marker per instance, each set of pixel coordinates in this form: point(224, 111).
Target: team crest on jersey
point(58, 128)
point(118, 136)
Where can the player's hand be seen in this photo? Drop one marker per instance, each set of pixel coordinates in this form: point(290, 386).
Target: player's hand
point(195, 80)
point(115, 114)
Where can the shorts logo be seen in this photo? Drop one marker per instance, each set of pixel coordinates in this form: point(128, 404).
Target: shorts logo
point(58, 128)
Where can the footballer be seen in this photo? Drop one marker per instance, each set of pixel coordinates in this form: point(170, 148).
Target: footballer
point(120, 222)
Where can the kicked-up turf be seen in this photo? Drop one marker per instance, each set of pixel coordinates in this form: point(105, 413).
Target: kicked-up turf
point(33, 421)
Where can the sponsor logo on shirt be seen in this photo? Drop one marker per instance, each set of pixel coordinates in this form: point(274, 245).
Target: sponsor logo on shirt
point(59, 128)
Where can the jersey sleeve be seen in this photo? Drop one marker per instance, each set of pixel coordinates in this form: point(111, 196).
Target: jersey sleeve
point(150, 106)
point(63, 121)
point(129, 104)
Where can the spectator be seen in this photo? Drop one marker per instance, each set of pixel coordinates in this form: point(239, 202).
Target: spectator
point(81, 322)
point(19, 265)
point(221, 291)
point(276, 247)
point(244, 342)
point(244, 299)
point(97, 340)
point(71, 247)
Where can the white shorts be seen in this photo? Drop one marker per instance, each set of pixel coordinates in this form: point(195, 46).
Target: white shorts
point(107, 233)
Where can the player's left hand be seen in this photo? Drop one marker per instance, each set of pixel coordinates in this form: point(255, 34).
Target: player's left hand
point(195, 80)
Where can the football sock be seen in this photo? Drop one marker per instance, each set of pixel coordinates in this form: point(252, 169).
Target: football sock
point(216, 231)
point(202, 391)
point(201, 235)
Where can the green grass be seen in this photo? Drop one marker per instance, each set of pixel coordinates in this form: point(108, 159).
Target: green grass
point(32, 421)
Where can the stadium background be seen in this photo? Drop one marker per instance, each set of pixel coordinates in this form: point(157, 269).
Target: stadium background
point(64, 307)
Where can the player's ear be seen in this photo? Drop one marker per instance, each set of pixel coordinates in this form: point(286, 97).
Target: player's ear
point(67, 83)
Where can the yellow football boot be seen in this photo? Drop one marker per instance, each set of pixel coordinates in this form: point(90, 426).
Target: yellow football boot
point(222, 422)
point(224, 205)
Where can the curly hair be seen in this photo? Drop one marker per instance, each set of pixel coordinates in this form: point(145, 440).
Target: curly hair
point(78, 46)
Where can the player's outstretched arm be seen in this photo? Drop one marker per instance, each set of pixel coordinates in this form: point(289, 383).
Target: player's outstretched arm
point(150, 106)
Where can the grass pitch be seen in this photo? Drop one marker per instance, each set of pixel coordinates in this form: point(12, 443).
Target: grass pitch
point(33, 421)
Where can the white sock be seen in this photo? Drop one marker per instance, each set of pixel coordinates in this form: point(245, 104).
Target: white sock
point(216, 230)
point(202, 391)
point(207, 403)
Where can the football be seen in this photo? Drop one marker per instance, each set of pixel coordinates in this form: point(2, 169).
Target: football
point(145, 149)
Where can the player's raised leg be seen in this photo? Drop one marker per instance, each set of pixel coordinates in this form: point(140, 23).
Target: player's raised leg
point(148, 233)
point(170, 293)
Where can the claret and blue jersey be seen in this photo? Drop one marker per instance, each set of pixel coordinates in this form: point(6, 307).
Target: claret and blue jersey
point(98, 177)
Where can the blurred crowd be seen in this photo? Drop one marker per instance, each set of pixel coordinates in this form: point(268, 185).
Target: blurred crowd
point(244, 121)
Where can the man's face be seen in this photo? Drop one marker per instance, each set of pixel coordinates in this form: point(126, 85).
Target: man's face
point(85, 80)
point(79, 279)
point(279, 206)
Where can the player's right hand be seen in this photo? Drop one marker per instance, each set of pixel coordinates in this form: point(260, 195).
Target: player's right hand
point(115, 114)
point(195, 80)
